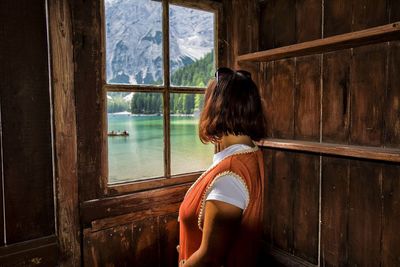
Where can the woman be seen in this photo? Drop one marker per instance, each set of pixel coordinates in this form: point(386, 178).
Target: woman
point(221, 214)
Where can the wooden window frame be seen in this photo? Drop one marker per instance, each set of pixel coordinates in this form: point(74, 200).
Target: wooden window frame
point(166, 90)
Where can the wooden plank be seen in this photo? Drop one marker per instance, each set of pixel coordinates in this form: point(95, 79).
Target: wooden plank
point(90, 99)
point(283, 99)
point(391, 216)
point(362, 152)
point(280, 258)
point(26, 121)
point(308, 20)
point(365, 207)
point(306, 207)
point(394, 11)
point(354, 39)
point(60, 27)
point(110, 247)
point(369, 13)
point(145, 243)
point(307, 98)
point(114, 206)
point(267, 30)
point(2, 182)
point(336, 97)
point(41, 251)
point(281, 183)
point(367, 95)
point(392, 103)
point(284, 23)
point(268, 194)
point(266, 91)
point(334, 211)
point(168, 239)
point(337, 17)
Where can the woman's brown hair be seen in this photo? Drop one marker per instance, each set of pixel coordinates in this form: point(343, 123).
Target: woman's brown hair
point(232, 105)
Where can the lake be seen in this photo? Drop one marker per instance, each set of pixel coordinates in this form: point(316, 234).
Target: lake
point(140, 155)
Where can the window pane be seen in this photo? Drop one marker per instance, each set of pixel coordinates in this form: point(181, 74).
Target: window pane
point(188, 154)
point(135, 136)
point(191, 46)
point(133, 42)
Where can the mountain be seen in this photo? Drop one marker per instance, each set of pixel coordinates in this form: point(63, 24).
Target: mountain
point(134, 39)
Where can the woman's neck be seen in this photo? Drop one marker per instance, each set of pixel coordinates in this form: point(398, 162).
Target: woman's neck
point(228, 140)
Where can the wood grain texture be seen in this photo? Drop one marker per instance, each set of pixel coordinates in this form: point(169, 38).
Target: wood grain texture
point(337, 17)
point(268, 193)
point(365, 214)
point(266, 87)
point(374, 35)
point(90, 99)
point(26, 121)
point(367, 95)
point(267, 30)
point(307, 98)
point(306, 207)
point(282, 185)
point(392, 103)
point(361, 152)
point(336, 97)
point(369, 13)
point(283, 99)
point(308, 20)
point(284, 22)
point(64, 132)
point(334, 211)
point(168, 239)
point(2, 181)
point(394, 11)
point(391, 216)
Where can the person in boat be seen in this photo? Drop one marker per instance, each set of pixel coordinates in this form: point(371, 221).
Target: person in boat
point(220, 217)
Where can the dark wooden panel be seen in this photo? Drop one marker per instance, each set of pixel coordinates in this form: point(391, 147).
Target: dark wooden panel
point(110, 247)
point(1, 185)
point(306, 207)
point(391, 216)
point(392, 106)
point(367, 95)
point(268, 193)
point(266, 91)
point(365, 207)
point(308, 20)
point(336, 97)
point(307, 98)
point(281, 200)
point(283, 99)
point(284, 22)
point(394, 10)
point(267, 30)
point(37, 252)
point(25, 107)
point(337, 17)
point(369, 13)
point(334, 211)
point(90, 100)
point(169, 239)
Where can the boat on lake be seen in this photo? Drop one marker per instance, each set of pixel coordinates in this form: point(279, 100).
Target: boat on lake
point(118, 133)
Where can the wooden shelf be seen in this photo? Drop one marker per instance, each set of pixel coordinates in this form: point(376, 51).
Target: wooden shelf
point(348, 40)
point(361, 152)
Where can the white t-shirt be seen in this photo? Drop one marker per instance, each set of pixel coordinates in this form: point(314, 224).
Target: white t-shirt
point(229, 188)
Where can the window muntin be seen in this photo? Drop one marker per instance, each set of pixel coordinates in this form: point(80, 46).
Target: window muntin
point(124, 165)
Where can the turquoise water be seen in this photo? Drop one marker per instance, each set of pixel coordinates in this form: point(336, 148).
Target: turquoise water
point(140, 155)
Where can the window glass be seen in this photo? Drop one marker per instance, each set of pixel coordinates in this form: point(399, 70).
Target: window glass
point(134, 42)
point(135, 136)
point(191, 46)
point(188, 153)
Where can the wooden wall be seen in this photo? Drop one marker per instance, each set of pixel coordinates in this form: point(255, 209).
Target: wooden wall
point(347, 97)
point(27, 224)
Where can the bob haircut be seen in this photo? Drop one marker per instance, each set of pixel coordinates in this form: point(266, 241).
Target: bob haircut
point(232, 105)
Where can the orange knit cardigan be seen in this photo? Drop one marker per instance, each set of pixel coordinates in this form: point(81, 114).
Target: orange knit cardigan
point(248, 166)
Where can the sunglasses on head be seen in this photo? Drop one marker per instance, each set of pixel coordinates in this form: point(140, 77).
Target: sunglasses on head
point(224, 71)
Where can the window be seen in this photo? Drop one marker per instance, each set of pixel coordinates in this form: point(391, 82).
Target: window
point(159, 57)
